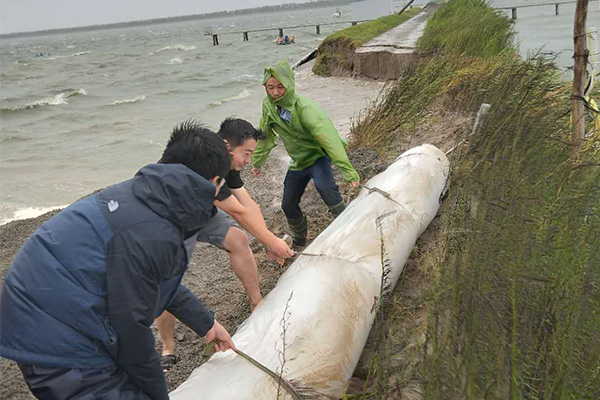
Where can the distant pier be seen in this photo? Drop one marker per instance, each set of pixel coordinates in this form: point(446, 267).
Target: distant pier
point(555, 4)
point(246, 37)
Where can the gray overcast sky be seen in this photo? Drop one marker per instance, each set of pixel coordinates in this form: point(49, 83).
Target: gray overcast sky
point(32, 15)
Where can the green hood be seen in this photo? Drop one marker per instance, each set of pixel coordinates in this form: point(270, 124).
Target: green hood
point(284, 74)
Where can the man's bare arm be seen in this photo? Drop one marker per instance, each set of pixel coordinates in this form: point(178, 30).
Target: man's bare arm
point(249, 216)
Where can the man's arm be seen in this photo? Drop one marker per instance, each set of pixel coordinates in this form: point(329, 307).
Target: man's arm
point(136, 263)
point(189, 309)
point(247, 213)
point(263, 147)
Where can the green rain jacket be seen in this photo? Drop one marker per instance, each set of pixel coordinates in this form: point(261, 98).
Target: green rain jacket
point(308, 136)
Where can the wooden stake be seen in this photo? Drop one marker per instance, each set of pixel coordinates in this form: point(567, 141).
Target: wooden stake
point(405, 7)
point(581, 57)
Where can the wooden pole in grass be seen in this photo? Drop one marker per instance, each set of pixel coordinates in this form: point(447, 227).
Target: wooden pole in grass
point(405, 7)
point(581, 57)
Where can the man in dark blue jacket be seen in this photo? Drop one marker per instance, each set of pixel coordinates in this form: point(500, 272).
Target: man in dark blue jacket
point(80, 296)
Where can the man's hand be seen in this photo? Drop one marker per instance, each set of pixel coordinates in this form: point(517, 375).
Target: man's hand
point(273, 257)
point(221, 337)
point(257, 172)
point(279, 250)
point(354, 184)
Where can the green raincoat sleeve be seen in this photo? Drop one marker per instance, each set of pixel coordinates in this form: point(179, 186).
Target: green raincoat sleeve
point(314, 120)
point(264, 147)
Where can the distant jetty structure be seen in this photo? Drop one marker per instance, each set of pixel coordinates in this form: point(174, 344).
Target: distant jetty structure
point(245, 36)
point(554, 3)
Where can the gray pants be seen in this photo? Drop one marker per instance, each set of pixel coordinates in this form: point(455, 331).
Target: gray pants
point(216, 229)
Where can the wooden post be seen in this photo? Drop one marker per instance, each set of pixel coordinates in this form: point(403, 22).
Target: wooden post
point(405, 7)
point(514, 13)
point(556, 8)
point(318, 30)
point(581, 57)
point(215, 40)
point(280, 32)
point(245, 36)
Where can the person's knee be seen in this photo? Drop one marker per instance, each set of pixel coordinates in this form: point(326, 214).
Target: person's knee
point(330, 192)
point(286, 206)
point(235, 241)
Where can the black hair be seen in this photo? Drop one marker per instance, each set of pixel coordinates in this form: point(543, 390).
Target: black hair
point(236, 131)
point(199, 149)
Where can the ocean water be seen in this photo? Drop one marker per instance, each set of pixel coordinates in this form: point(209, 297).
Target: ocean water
point(541, 31)
point(84, 110)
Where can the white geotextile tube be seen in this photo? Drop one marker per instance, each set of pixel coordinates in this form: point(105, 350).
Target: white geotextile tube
point(329, 301)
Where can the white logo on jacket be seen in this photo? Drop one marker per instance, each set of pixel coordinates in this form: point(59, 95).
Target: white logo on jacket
point(113, 205)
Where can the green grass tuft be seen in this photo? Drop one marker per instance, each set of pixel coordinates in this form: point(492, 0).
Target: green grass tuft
point(468, 27)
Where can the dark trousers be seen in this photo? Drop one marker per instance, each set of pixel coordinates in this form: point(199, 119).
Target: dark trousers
point(56, 383)
point(296, 181)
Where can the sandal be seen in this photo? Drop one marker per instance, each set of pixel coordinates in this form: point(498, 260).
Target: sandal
point(167, 362)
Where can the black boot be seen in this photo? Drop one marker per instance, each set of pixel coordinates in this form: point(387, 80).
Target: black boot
point(337, 209)
point(299, 228)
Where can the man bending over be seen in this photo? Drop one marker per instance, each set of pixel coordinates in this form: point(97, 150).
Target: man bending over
point(234, 203)
point(80, 296)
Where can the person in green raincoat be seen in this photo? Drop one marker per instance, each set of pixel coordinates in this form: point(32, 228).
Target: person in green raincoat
point(311, 141)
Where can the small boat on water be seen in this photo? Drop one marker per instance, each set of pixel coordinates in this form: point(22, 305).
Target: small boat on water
point(337, 13)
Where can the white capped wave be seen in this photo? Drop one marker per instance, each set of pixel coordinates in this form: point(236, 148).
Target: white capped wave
point(242, 95)
point(128, 101)
point(57, 100)
point(175, 61)
point(78, 92)
point(177, 47)
point(30, 212)
point(247, 78)
point(81, 53)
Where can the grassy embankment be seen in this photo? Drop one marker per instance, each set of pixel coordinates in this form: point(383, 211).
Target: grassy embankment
point(511, 299)
point(336, 52)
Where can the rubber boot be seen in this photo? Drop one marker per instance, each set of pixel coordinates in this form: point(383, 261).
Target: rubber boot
point(337, 209)
point(299, 228)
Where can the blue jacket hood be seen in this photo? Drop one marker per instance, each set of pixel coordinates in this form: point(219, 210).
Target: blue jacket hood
point(176, 193)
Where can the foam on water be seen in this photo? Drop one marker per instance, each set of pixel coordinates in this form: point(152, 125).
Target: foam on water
point(57, 100)
point(248, 78)
point(136, 99)
point(178, 47)
point(240, 96)
point(30, 212)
